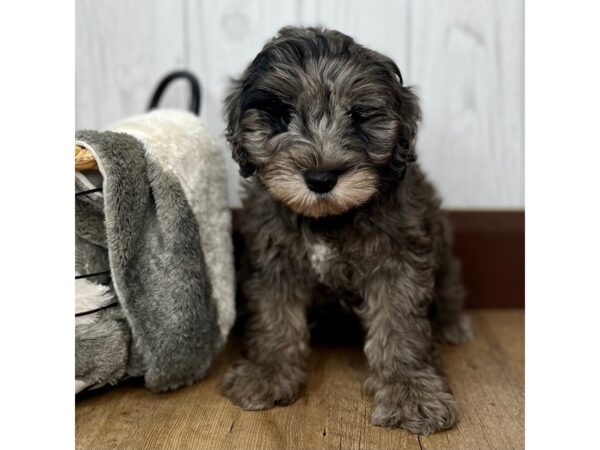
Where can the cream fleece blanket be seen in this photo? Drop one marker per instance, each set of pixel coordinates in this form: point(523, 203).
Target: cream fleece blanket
point(162, 226)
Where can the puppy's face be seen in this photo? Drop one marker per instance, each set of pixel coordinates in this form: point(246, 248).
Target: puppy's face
point(321, 121)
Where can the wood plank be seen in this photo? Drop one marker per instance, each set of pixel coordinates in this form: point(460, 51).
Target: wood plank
point(223, 38)
point(122, 50)
point(466, 60)
point(381, 25)
point(486, 376)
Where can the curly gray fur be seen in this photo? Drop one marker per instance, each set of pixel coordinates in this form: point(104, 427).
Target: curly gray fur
point(315, 100)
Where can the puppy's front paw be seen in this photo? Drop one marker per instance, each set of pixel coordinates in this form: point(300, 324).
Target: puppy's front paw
point(414, 408)
point(255, 387)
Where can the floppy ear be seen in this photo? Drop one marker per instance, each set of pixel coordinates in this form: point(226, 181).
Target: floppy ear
point(409, 113)
point(233, 116)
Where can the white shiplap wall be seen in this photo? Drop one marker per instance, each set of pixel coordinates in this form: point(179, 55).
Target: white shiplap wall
point(465, 58)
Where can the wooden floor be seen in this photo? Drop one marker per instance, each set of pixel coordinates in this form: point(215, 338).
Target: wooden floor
point(486, 375)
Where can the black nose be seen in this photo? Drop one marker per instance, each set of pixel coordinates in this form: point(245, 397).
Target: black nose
point(320, 182)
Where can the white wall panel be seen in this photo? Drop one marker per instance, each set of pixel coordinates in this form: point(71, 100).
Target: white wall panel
point(381, 25)
point(223, 38)
point(465, 59)
point(122, 47)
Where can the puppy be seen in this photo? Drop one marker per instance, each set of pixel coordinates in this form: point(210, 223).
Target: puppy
point(326, 131)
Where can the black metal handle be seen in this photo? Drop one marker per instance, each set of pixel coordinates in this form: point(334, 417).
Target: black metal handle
point(195, 98)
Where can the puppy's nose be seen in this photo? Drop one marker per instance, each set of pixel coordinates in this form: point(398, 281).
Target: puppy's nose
point(320, 181)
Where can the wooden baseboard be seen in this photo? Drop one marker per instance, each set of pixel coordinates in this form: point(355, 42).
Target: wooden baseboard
point(491, 247)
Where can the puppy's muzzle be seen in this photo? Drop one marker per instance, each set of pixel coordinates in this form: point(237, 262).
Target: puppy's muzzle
point(320, 182)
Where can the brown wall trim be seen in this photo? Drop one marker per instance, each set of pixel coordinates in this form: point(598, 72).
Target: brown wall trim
point(491, 246)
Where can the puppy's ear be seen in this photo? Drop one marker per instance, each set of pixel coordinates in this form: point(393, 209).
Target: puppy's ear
point(233, 117)
point(409, 114)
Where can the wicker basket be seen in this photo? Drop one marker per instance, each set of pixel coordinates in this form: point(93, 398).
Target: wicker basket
point(84, 160)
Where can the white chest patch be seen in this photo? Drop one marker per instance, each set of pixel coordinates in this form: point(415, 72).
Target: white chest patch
point(320, 255)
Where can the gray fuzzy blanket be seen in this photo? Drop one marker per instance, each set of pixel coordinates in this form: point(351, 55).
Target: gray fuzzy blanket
point(161, 227)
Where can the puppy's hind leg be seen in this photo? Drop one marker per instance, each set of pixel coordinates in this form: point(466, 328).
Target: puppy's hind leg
point(450, 324)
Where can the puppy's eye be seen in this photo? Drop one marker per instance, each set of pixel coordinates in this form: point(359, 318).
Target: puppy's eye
point(403, 143)
point(361, 115)
point(276, 112)
point(280, 119)
point(356, 117)
point(278, 116)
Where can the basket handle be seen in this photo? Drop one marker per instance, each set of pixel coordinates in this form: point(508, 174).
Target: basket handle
point(194, 105)
point(84, 160)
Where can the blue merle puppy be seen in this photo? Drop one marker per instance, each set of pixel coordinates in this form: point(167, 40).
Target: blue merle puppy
point(325, 131)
